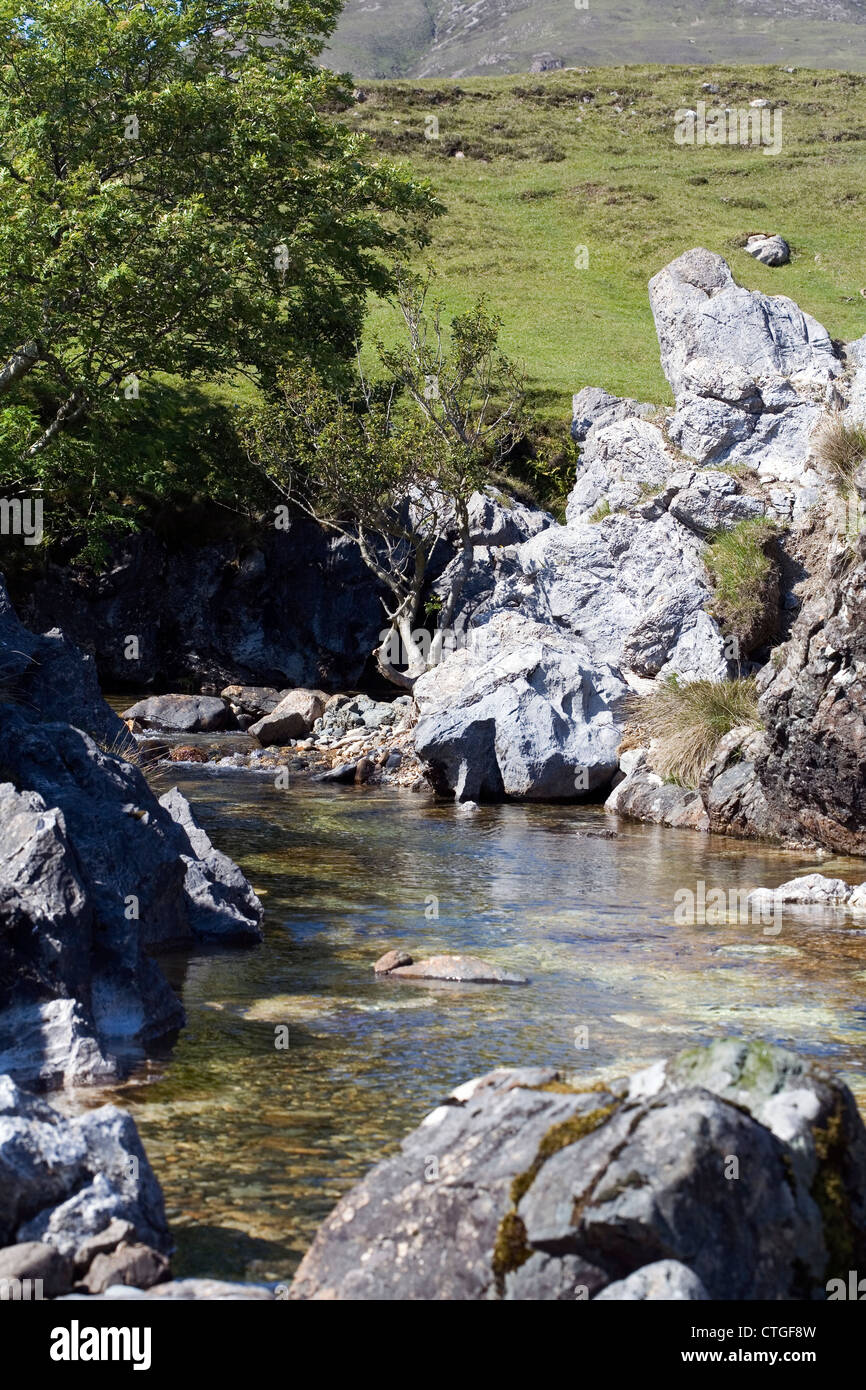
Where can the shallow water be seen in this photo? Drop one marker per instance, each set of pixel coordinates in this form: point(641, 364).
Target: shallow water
point(253, 1145)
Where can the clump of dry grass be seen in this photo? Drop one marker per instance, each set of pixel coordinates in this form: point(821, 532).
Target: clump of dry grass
point(841, 448)
point(686, 723)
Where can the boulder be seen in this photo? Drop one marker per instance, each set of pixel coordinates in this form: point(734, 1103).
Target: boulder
point(220, 901)
point(251, 701)
point(740, 1163)
point(390, 961)
point(665, 1281)
point(751, 341)
point(64, 1180)
point(134, 1264)
point(522, 713)
point(293, 717)
point(621, 461)
point(93, 873)
point(182, 714)
point(769, 250)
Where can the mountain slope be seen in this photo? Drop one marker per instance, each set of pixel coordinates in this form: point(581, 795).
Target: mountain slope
point(446, 38)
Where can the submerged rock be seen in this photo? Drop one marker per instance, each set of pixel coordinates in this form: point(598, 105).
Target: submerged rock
point(460, 969)
point(739, 1162)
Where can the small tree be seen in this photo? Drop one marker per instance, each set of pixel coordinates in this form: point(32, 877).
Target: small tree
point(394, 467)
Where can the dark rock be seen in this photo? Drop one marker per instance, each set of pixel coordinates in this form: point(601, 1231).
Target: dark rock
point(342, 773)
point(813, 706)
point(294, 607)
point(184, 714)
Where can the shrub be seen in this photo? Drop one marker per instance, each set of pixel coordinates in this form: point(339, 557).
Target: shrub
point(686, 723)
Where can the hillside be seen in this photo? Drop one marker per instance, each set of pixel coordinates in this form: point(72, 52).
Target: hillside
point(564, 161)
point(444, 38)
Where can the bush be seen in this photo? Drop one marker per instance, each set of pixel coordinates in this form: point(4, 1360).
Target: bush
point(687, 722)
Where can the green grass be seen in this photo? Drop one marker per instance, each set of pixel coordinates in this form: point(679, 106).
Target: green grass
point(687, 722)
point(740, 564)
point(546, 172)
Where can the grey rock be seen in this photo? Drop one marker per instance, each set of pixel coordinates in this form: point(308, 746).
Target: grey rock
point(620, 461)
point(182, 714)
point(34, 1261)
point(593, 407)
point(220, 901)
point(611, 1187)
point(665, 1280)
point(713, 502)
point(769, 250)
point(64, 1180)
point(534, 719)
point(702, 313)
point(114, 1234)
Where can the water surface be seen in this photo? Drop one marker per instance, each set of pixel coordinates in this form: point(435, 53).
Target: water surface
point(254, 1144)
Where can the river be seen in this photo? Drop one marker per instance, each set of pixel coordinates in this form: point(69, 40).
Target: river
point(253, 1142)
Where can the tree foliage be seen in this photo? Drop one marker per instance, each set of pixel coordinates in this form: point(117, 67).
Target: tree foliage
point(176, 198)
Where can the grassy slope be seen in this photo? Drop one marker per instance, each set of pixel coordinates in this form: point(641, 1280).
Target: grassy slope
point(421, 38)
point(546, 171)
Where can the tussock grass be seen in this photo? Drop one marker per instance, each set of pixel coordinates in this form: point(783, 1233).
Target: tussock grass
point(740, 566)
point(686, 723)
point(841, 448)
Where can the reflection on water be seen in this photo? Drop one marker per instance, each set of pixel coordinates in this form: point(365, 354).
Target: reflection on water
point(253, 1144)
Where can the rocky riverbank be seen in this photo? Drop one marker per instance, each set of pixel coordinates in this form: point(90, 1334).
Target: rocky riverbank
point(563, 631)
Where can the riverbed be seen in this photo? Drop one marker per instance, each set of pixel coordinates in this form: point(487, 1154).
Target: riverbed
point(299, 1069)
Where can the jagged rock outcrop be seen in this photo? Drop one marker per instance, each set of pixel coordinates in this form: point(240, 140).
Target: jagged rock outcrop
point(284, 608)
point(94, 874)
point(813, 705)
point(753, 377)
point(740, 1163)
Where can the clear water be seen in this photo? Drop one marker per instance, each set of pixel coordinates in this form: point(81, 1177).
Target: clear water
point(253, 1145)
